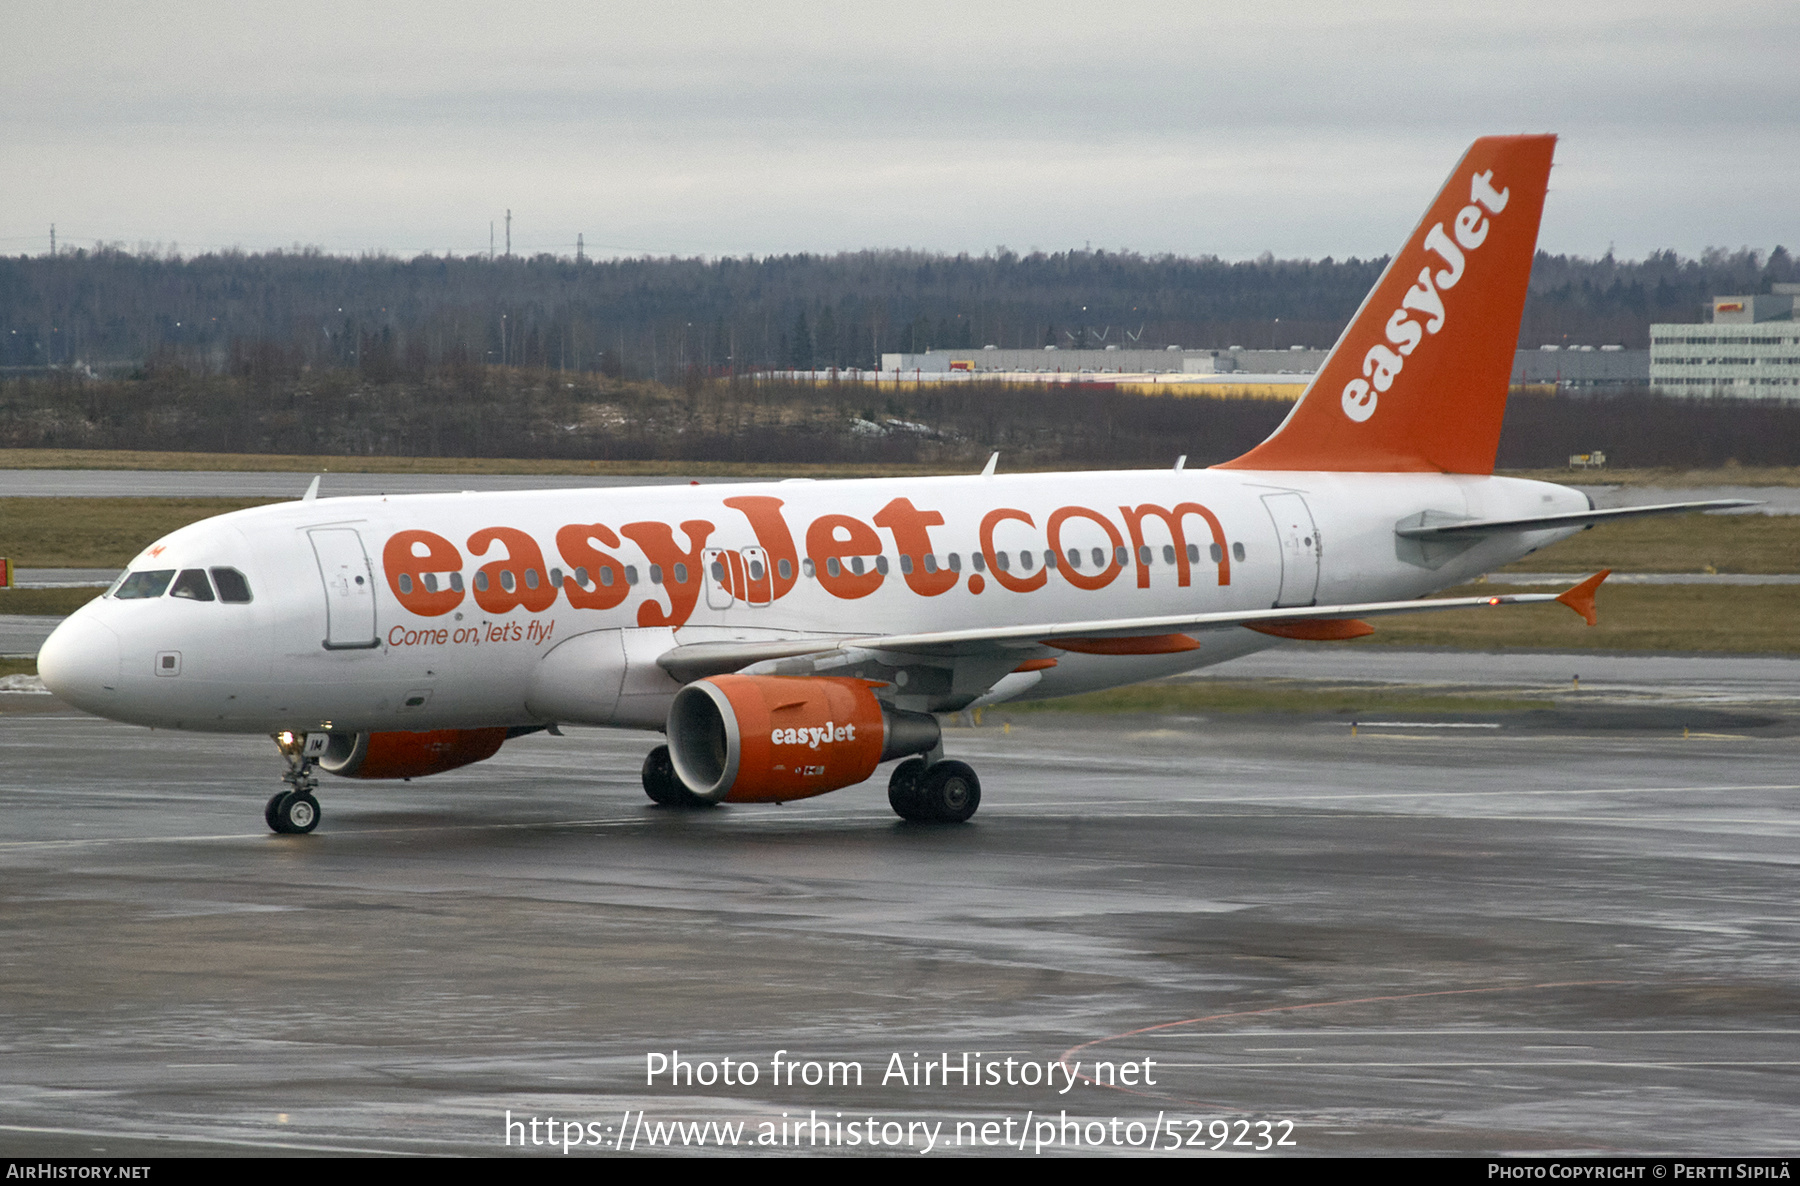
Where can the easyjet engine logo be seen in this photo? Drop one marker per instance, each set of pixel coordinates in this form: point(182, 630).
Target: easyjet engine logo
point(1384, 362)
point(812, 737)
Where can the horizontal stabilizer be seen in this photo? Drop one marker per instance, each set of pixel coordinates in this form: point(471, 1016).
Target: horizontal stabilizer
point(1567, 519)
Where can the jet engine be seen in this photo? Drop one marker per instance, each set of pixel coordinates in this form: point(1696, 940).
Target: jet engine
point(766, 738)
point(407, 755)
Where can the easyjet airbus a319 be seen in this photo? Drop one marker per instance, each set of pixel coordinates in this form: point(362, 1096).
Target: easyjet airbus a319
point(790, 637)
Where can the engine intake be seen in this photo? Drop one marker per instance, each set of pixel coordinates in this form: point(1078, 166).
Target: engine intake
point(407, 755)
point(768, 739)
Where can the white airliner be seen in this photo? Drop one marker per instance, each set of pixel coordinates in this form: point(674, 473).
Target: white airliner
point(790, 637)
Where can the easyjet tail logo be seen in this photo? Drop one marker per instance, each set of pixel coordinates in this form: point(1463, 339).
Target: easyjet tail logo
point(1384, 361)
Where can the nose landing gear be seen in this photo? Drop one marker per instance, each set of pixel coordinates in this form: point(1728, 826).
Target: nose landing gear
point(294, 811)
point(942, 793)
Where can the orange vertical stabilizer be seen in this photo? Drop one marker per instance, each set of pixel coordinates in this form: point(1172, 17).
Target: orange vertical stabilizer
point(1418, 381)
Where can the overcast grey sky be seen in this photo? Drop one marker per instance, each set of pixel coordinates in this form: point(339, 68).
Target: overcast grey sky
point(693, 128)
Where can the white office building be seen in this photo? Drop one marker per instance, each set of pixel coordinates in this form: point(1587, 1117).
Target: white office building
point(1749, 350)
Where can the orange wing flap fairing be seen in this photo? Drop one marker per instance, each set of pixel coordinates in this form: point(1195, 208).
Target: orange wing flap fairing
point(1138, 644)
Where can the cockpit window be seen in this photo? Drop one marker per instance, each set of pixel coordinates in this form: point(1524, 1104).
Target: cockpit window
point(150, 583)
point(193, 585)
point(232, 585)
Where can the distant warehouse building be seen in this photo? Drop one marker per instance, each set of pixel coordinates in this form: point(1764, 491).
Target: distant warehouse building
point(1114, 360)
point(1750, 349)
point(1578, 367)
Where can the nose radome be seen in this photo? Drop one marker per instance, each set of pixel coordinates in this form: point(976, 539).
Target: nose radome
point(79, 662)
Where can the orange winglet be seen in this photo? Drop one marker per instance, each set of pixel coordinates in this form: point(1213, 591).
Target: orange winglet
point(1581, 597)
point(1143, 644)
point(1314, 629)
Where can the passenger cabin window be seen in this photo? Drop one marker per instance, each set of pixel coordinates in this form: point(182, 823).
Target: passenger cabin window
point(139, 585)
point(193, 585)
point(233, 588)
point(1237, 551)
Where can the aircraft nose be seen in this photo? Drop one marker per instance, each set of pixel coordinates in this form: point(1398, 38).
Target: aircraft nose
point(79, 662)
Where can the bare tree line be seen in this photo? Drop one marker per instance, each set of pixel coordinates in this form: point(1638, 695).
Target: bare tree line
point(273, 316)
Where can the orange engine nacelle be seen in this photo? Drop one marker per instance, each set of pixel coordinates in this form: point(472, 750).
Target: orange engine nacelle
point(408, 755)
point(769, 738)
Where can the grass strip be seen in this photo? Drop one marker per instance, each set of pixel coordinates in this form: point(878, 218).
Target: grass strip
point(344, 464)
point(130, 459)
point(1676, 543)
point(61, 602)
point(98, 532)
point(1735, 619)
point(1724, 475)
point(1210, 695)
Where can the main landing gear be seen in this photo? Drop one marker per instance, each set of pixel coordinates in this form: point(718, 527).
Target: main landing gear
point(294, 811)
point(664, 788)
point(942, 793)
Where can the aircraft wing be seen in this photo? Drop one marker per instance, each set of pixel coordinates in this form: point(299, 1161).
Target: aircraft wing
point(1470, 527)
point(1165, 634)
